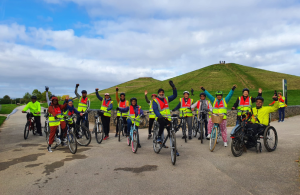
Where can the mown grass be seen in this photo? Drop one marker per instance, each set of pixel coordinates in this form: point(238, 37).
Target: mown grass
point(7, 108)
point(2, 119)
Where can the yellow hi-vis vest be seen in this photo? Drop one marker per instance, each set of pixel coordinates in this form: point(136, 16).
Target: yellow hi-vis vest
point(151, 114)
point(221, 108)
point(244, 105)
point(131, 115)
point(82, 105)
point(184, 107)
point(104, 107)
point(122, 105)
point(282, 104)
point(66, 113)
point(163, 108)
point(52, 120)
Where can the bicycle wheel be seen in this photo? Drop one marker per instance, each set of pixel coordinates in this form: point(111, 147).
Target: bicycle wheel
point(270, 139)
point(72, 141)
point(201, 132)
point(128, 140)
point(99, 133)
point(237, 147)
point(213, 138)
point(135, 141)
point(156, 146)
point(173, 147)
point(84, 136)
point(120, 129)
point(34, 129)
point(26, 131)
point(184, 132)
point(195, 127)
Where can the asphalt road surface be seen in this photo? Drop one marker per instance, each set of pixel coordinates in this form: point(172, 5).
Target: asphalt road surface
point(26, 167)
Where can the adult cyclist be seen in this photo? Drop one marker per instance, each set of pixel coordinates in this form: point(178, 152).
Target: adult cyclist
point(83, 105)
point(219, 107)
point(184, 107)
point(122, 103)
point(244, 103)
point(151, 114)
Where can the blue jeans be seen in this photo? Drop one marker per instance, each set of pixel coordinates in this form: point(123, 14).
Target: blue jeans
point(281, 114)
point(129, 123)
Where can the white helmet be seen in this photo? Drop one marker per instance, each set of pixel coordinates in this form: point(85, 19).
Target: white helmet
point(186, 92)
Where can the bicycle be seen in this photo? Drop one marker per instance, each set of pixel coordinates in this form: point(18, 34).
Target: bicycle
point(83, 134)
point(216, 132)
point(47, 127)
point(133, 138)
point(121, 127)
point(30, 125)
point(171, 134)
point(181, 125)
point(71, 138)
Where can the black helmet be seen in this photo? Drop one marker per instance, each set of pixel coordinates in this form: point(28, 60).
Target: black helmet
point(202, 94)
point(259, 98)
point(33, 97)
point(52, 96)
point(246, 89)
point(122, 94)
point(83, 91)
point(133, 99)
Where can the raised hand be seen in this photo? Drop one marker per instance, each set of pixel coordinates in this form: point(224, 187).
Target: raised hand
point(260, 90)
point(117, 89)
point(146, 92)
point(172, 84)
point(96, 89)
point(201, 87)
point(77, 85)
point(233, 87)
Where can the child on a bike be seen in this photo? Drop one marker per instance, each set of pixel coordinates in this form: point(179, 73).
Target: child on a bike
point(134, 112)
point(219, 107)
point(69, 111)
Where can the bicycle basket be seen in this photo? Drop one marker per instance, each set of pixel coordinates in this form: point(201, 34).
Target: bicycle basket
point(217, 118)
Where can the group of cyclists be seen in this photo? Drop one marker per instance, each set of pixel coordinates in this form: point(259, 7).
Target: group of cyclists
point(159, 111)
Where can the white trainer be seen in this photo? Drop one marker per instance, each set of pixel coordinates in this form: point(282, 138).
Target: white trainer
point(208, 137)
point(49, 149)
point(225, 144)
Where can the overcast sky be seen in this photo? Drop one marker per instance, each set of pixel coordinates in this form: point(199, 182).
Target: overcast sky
point(99, 43)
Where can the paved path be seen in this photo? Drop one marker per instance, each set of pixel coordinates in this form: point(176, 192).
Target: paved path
point(111, 168)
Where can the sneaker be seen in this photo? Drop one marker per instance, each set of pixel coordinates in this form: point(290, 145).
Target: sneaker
point(225, 144)
point(208, 137)
point(282, 121)
point(177, 153)
point(49, 148)
point(139, 146)
point(149, 136)
point(199, 138)
point(116, 135)
point(105, 138)
point(190, 137)
point(158, 139)
point(183, 137)
point(279, 121)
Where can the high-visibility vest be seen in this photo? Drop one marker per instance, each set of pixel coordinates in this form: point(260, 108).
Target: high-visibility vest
point(131, 115)
point(82, 106)
point(151, 114)
point(122, 105)
point(104, 107)
point(221, 108)
point(282, 104)
point(163, 108)
point(184, 107)
point(68, 113)
point(244, 105)
point(52, 120)
point(199, 107)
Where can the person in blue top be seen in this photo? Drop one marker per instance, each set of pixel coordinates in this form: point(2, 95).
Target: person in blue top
point(219, 106)
point(134, 111)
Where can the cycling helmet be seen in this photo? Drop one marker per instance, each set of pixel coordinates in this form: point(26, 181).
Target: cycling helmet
point(219, 93)
point(83, 91)
point(122, 94)
point(259, 98)
point(33, 97)
point(133, 99)
point(186, 92)
point(245, 89)
point(202, 94)
point(52, 96)
point(153, 95)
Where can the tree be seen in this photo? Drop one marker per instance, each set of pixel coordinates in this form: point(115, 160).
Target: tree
point(64, 97)
point(27, 97)
point(37, 93)
point(6, 97)
point(58, 97)
point(43, 96)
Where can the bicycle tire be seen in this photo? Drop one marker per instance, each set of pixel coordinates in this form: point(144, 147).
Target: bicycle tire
point(173, 147)
point(135, 141)
point(26, 131)
point(72, 143)
point(156, 146)
point(99, 133)
point(86, 137)
point(201, 132)
point(184, 125)
point(120, 129)
point(128, 140)
point(195, 127)
point(236, 147)
point(213, 138)
point(34, 129)
point(266, 138)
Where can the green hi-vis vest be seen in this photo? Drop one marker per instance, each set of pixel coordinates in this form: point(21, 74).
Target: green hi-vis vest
point(104, 107)
point(163, 108)
point(244, 105)
point(66, 113)
point(55, 122)
point(82, 106)
point(184, 107)
point(151, 114)
point(221, 108)
point(122, 105)
point(282, 104)
point(199, 107)
point(131, 115)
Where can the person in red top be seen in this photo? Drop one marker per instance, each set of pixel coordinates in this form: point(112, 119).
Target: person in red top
point(55, 110)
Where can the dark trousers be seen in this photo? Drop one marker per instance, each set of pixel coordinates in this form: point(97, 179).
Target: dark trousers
point(37, 120)
point(281, 114)
point(256, 128)
point(151, 121)
point(79, 118)
point(125, 124)
point(106, 124)
point(162, 123)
